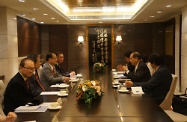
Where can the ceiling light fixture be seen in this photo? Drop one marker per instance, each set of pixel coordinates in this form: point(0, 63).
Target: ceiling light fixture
point(103, 12)
point(52, 18)
point(152, 16)
point(45, 14)
point(159, 12)
point(168, 6)
point(35, 9)
point(22, 1)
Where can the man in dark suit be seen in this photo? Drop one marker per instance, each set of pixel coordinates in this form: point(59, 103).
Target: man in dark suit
point(59, 69)
point(127, 61)
point(18, 91)
point(141, 72)
point(38, 87)
point(159, 84)
point(49, 75)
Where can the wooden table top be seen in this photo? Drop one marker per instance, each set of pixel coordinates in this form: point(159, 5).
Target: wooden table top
point(112, 107)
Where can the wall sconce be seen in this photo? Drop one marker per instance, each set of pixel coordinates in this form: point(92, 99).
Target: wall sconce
point(118, 39)
point(80, 39)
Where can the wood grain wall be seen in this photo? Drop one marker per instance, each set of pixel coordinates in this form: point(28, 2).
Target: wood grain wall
point(28, 37)
point(143, 37)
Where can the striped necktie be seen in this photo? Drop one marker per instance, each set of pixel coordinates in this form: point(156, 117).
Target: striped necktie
point(37, 79)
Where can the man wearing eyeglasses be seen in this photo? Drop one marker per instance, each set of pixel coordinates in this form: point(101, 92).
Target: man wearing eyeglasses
point(18, 91)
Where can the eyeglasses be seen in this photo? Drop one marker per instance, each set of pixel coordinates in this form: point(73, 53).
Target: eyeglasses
point(29, 69)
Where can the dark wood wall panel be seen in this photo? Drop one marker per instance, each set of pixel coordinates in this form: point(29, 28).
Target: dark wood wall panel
point(76, 51)
point(28, 37)
point(58, 41)
point(58, 38)
point(135, 37)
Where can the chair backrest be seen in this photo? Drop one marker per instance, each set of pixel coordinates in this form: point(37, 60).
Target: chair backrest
point(166, 104)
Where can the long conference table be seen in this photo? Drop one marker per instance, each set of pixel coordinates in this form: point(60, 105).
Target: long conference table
point(112, 107)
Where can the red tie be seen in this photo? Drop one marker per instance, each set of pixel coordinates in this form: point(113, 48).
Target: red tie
point(37, 79)
point(53, 72)
point(27, 83)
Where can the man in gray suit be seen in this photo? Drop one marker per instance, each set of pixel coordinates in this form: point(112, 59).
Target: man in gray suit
point(49, 75)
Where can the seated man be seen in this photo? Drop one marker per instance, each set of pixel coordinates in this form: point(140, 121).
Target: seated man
point(38, 87)
point(18, 91)
point(128, 63)
point(159, 84)
point(141, 72)
point(59, 69)
point(49, 75)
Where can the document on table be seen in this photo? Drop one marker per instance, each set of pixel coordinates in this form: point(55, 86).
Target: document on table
point(24, 109)
point(50, 93)
point(137, 90)
point(30, 121)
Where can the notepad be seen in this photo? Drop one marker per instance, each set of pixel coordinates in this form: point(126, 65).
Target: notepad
point(137, 90)
point(27, 108)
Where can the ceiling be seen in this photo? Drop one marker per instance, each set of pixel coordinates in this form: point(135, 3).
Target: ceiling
point(49, 14)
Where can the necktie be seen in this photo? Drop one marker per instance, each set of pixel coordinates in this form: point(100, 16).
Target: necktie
point(27, 83)
point(37, 79)
point(53, 72)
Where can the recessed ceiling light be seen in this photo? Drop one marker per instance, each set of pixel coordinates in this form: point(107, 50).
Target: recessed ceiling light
point(42, 22)
point(57, 21)
point(22, 1)
point(45, 14)
point(100, 22)
point(15, 18)
point(168, 6)
point(52, 18)
point(159, 12)
point(35, 9)
point(152, 16)
point(33, 19)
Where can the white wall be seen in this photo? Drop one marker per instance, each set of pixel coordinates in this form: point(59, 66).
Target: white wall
point(184, 50)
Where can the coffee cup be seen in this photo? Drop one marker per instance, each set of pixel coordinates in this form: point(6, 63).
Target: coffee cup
point(63, 92)
point(54, 104)
point(116, 82)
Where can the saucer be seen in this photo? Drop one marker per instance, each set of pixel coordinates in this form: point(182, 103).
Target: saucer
point(123, 90)
point(54, 108)
point(79, 75)
point(74, 80)
point(62, 95)
point(63, 86)
point(115, 86)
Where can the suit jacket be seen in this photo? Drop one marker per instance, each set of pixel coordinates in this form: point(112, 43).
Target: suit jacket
point(159, 84)
point(17, 94)
point(60, 70)
point(130, 67)
point(142, 73)
point(35, 87)
point(48, 78)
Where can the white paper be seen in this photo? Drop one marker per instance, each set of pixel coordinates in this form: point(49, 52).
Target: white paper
point(40, 109)
point(49, 93)
point(30, 121)
point(60, 85)
point(27, 108)
point(137, 90)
